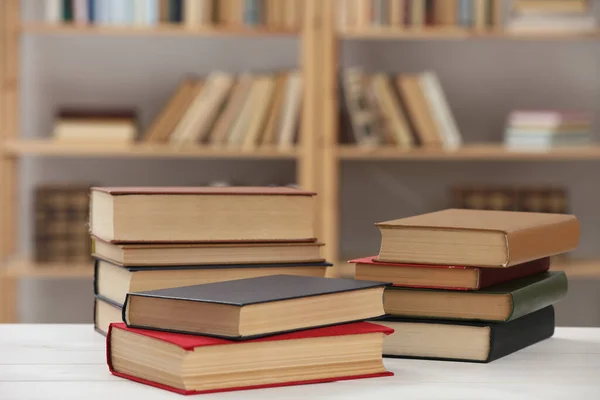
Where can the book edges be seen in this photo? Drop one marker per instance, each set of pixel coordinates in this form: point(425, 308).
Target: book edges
point(204, 190)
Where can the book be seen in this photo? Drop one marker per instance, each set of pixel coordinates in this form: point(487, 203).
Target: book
point(447, 277)
point(114, 281)
point(481, 238)
point(501, 303)
point(202, 214)
point(105, 313)
point(350, 351)
point(175, 254)
point(481, 342)
point(109, 126)
point(255, 307)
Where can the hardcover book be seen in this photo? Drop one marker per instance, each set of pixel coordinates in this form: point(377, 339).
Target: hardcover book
point(247, 308)
point(342, 352)
point(447, 277)
point(114, 281)
point(465, 341)
point(481, 238)
point(105, 313)
point(500, 303)
point(202, 214)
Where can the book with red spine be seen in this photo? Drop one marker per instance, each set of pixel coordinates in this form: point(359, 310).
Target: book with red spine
point(448, 277)
point(123, 342)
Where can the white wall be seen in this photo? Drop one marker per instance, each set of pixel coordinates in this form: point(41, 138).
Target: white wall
point(484, 79)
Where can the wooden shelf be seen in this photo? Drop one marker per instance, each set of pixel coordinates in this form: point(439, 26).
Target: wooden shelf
point(50, 148)
point(456, 33)
point(480, 152)
point(157, 30)
point(31, 269)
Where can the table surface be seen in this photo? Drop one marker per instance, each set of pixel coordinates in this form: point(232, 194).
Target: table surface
point(68, 362)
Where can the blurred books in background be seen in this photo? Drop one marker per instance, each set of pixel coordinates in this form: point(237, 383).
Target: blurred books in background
point(544, 130)
point(191, 13)
point(551, 16)
point(404, 110)
point(61, 230)
point(108, 126)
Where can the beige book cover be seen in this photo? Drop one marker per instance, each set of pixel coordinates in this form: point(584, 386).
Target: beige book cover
point(265, 86)
point(392, 111)
point(397, 12)
point(291, 111)
point(240, 127)
point(192, 13)
point(417, 13)
point(237, 99)
point(418, 110)
point(269, 138)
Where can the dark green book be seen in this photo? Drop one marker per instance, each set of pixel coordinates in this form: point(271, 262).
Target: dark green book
point(68, 10)
point(505, 302)
point(465, 341)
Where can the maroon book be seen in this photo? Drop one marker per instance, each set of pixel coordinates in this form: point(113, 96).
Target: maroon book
point(448, 277)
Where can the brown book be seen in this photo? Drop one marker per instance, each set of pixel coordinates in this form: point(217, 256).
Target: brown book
point(168, 118)
point(96, 114)
point(481, 13)
point(239, 93)
point(445, 12)
point(418, 110)
point(482, 238)
point(176, 254)
point(202, 214)
point(163, 12)
point(269, 137)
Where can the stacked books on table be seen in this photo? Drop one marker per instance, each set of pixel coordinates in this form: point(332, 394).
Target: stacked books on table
point(250, 333)
point(470, 285)
point(158, 238)
point(544, 130)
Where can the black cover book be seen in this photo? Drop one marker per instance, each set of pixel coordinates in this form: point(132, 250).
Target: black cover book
point(242, 293)
point(504, 338)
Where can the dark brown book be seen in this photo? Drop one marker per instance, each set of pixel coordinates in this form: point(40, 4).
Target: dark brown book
point(246, 308)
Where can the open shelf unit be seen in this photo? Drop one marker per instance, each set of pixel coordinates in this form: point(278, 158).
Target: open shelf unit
point(318, 154)
point(13, 147)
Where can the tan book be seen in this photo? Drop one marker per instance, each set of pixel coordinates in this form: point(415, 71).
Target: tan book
point(265, 86)
point(481, 238)
point(207, 12)
point(554, 6)
point(163, 12)
point(113, 282)
point(498, 15)
point(174, 254)
point(235, 138)
point(445, 12)
point(481, 13)
point(417, 14)
point(192, 12)
point(236, 12)
point(105, 313)
point(394, 115)
point(195, 124)
point(364, 13)
point(201, 214)
point(418, 110)
point(166, 120)
point(397, 10)
point(269, 138)
point(226, 120)
point(288, 123)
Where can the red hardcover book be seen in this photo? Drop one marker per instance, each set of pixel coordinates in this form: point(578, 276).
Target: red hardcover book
point(130, 349)
point(448, 277)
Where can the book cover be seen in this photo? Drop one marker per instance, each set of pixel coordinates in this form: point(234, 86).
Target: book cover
point(486, 277)
point(192, 342)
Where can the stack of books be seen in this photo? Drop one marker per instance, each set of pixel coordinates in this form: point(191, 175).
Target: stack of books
point(406, 110)
point(250, 333)
point(95, 126)
point(565, 16)
point(543, 130)
point(150, 238)
point(470, 285)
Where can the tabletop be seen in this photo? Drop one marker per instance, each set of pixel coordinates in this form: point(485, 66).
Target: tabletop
point(63, 362)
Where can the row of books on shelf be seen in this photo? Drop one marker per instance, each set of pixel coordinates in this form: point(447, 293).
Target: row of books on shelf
point(515, 16)
point(260, 284)
point(219, 110)
point(275, 14)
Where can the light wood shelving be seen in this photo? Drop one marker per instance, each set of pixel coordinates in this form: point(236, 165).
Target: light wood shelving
point(156, 30)
point(51, 148)
point(476, 152)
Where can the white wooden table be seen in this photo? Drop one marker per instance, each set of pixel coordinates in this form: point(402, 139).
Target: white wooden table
point(62, 362)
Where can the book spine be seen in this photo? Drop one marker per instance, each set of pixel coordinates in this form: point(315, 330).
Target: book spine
point(53, 11)
point(465, 13)
point(100, 12)
point(139, 12)
point(539, 295)
point(151, 12)
point(380, 12)
point(252, 12)
point(516, 335)
point(91, 5)
point(396, 12)
point(493, 276)
point(176, 11)
point(67, 9)
point(80, 11)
